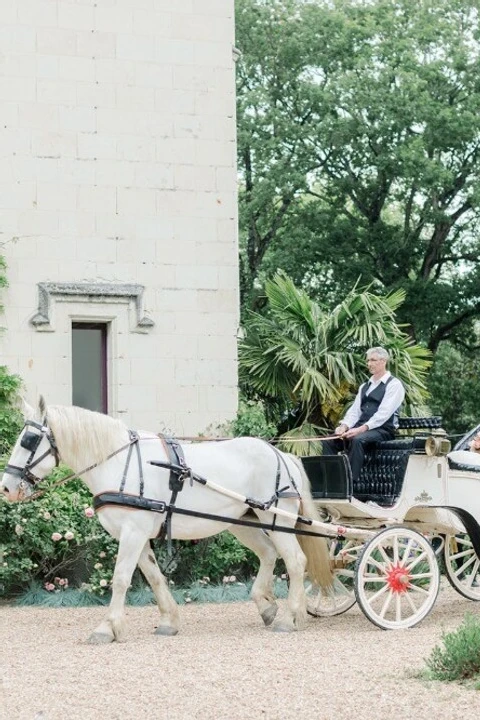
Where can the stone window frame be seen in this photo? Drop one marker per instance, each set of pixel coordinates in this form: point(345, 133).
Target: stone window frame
point(50, 292)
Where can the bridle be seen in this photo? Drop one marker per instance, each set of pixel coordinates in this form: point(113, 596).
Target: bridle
point(31, 441)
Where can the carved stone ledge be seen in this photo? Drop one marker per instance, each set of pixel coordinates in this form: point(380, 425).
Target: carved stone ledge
point(88, 292)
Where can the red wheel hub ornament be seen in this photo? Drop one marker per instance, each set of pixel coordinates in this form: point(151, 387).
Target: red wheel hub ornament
point(398, 578)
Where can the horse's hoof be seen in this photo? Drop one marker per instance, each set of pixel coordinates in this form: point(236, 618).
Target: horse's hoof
point(166, 630)
point(282, 628)
point(100, 639)
point(268, 615)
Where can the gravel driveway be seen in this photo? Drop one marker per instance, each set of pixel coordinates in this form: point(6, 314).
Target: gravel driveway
point(224, 665)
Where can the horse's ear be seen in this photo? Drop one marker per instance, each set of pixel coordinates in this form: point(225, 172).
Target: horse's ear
point(42, 406)
point(27, 410)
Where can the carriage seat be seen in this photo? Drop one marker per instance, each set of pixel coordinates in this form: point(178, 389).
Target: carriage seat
point(381, 478)
point(464, 460)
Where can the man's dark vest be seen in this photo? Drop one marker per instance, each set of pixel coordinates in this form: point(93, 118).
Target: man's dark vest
point(369, 405)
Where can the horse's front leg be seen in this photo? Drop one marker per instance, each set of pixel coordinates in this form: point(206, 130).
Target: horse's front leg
point(167, 606)
point(131, 544)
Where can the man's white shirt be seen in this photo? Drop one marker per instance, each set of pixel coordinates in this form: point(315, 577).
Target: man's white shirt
point(393, 398)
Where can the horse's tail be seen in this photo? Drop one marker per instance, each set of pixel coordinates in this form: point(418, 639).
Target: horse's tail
point(315, 548)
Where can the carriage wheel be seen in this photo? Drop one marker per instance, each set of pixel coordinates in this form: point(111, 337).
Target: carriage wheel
point(397, 578)
point(462, 566)
point(343, 556)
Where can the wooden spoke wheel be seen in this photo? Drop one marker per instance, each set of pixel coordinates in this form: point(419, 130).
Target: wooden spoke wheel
point(343, 557)
point(462, 566)
point(397, 578)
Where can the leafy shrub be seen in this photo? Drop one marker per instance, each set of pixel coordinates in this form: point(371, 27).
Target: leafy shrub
point(459, 658)
point(251, 420)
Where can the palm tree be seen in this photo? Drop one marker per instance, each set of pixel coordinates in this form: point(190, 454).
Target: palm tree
point(309, 359)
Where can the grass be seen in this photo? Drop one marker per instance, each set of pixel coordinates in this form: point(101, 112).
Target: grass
point(140, 596)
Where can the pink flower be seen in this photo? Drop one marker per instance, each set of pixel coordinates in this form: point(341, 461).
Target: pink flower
point(89, 512)
point(57, 580)
point(68, 535)
point(50, 587)
point(103, 583)
point(56, 536)
point(62, 581)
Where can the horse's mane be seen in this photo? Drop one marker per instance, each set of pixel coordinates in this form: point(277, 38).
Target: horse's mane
point(83, 435)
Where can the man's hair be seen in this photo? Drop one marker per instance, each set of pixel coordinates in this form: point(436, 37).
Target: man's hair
point(380, 352)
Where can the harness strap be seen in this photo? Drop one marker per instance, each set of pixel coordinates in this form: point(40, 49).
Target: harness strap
point(114, 498)
point(178, 472)
point(133, 440)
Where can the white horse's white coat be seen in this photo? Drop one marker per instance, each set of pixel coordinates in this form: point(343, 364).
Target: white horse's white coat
point(243, 465)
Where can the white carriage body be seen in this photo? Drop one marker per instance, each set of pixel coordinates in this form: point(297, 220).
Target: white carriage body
point(429, 487)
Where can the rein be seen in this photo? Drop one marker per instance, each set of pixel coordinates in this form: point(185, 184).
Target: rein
point(74, 475)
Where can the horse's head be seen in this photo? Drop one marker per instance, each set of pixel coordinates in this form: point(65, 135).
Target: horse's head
point(35, 449)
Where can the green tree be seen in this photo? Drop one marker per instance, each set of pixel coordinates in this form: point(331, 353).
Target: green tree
point(359, 152)
point(454, 388)
point(302, 356)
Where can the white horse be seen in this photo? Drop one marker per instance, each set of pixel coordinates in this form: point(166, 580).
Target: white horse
point(102, 450)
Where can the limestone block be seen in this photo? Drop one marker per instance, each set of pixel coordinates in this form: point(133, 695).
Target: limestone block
point(158, 23)
point(37, 222)
point(38, 117)
point(175, 150)
point(210, 300)
point(174, 52)
point(114, 70)
point(55, 92)
point(53, 145)
point(219, 153)
point(140, 48)
point(136, 148)
point(96, 198)
point(47, 66)
point(18, 38)
point(200, 229)
point(179, 101)
point(154, 175)
point(18, 66)
point(77, 69)
point(101, 95)
point(141, 98)
point(76, 16)
point(214, 347)
point(76, 171)
point(96, 146)
point(91, 247)
point(35, 13)
point(17, 89)
point(114, 172)
point(76, 223)
point(175, 346)
point(153, 369)
point(17, 196)
point(56, 41)
point(219, 400)
point(204, 27)
point(77, 119)
point(118, 21)
point(214, 52)
point(136, 200)
point(168, 300)
point(97, 44)
point(204, 277)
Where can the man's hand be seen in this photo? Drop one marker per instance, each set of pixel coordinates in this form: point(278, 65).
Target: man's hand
point(341, 429)
point(355, 431)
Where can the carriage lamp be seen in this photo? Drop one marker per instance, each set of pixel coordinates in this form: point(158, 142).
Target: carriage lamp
point(437, 444)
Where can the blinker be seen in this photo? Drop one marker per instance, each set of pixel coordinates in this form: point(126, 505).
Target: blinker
point(30, 441)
